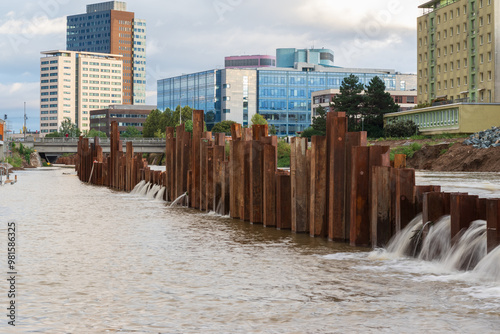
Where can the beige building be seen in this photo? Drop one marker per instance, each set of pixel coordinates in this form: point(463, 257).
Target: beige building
point(458, 57)
point(239, 95)
point(73, 83)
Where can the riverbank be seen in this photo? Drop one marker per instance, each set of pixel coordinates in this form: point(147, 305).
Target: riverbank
point(447, 155)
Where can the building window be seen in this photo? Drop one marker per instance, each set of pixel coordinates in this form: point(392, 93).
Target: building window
point(226, 111)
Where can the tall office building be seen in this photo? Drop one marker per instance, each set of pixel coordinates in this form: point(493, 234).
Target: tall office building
point(281, 95)
point(73, 83)
point(108, 28)
point(458, 51)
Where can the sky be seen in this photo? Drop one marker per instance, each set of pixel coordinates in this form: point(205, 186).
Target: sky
point(195, 35)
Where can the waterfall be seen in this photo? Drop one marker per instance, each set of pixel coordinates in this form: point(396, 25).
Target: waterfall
point(152, 192)
point(138, 187)
point(160, 194)
point(180, 200)
point(401, 244)
point(145, 189)
point(437, 242)
point(489, 266)
point(469, 249)
point(218, 210)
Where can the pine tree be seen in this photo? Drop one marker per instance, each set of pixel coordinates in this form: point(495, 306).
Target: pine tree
point(377, 102)
point(350, 101)
point(319, 122)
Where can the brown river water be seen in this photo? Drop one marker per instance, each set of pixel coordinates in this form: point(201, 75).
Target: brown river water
point(91, 260)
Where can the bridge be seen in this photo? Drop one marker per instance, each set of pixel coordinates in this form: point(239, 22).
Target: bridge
point(55, 147)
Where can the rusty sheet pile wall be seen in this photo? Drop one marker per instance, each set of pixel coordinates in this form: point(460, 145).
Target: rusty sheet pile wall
point(339, 188)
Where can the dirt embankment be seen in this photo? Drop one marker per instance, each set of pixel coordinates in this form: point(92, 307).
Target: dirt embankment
point(449, 155)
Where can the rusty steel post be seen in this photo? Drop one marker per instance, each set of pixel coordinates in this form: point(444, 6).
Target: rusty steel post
point(405, 197)
point(269, 185)
point(218, 175)
point(236, 177)
point(198, 117)
point(419, 196)
point(493, 223)
point(170, 163)
point(318, 188)
point(299, 185)
point(435, 205)
point(225, 199)
point(463, 209)
point(353, 139)
point(247, 188)
point(400, 161)
point(336, 175)
point(382, 218)
point(360, 185)
point(256, 204)
point(209, 188)
point(283, 200)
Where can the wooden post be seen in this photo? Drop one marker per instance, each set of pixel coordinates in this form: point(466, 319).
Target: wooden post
point(382, 218)
point(405, 197)
point(283, 200)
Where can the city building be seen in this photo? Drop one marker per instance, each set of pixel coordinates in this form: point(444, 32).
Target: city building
point(250, 61)
point(2, 139)
point(73, 83)
point(405, 99)
point(463, 117)
point(282, 95)
point(124, 115)
point(109, 28)
point(291, 58)
point(458, 51)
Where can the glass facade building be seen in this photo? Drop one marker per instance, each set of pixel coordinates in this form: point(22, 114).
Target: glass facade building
point(282, 95)
point(201, 91)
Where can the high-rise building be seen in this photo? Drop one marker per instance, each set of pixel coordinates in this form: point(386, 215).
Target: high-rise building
point(281, 95)
point(459, 51)
point(109, 28)
point(73, 83)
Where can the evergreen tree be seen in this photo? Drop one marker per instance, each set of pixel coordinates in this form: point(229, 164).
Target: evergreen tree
point(257, 119)
point(319, 122)
point(152, 124)
point(350, 101)
point(131, 132)
point(377, 102)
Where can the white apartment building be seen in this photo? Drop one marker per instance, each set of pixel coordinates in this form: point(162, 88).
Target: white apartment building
point(72, 83)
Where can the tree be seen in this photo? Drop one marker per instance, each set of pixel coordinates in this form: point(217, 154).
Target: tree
point(152, 124)
point(223, 127)
point(309, 132)
point(377, 102)
point(273, 131)
point(400, 129)
point(350, 101)
point(131, 132)
point(319, 122)
point(257, 119)
point(68, 128)
point(94, 133)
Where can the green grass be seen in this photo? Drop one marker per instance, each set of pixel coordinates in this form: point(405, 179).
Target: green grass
point(409, 150)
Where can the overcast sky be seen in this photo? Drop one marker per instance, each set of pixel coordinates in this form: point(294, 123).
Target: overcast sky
point(194, 35)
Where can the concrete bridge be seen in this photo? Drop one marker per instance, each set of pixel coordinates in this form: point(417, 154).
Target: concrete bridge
point(55, 147)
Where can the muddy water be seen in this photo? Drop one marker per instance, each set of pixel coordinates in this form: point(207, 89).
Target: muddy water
point(95, 261)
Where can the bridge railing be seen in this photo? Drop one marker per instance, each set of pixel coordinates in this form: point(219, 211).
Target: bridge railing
point(103, 141)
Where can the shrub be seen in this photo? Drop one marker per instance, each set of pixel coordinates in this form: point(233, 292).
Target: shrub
point(400, 129)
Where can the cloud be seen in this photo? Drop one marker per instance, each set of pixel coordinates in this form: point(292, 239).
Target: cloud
point(34, 27)
point(13, 97)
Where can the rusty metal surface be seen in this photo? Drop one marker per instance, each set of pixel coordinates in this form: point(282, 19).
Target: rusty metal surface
point(360, 208)
point(493, 223)
point(463, 210)
point(269, 186)
point(318, 188)
point(382, 213)
point(299, 185)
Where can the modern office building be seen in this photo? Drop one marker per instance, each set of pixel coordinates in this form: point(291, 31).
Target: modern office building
point(109, 28)
point(290, 57)
point(282, 95)
point(405, 99)
point(124, 115)
point(250, 61)
point(73, 83)
point(458, 51)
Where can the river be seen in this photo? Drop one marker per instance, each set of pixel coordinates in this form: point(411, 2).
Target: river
point(92, 260)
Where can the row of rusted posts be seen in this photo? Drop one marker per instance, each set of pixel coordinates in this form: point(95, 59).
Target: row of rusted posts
point(338, 188)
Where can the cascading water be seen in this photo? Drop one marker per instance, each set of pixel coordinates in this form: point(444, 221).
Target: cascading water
point(160, 194)
point(401, 244)
point(138, 187)
point(181, 200)
point(218, 210)
point(144, 189)
point(153, 191)
point(469, 249)
point(489, 267)
point(437, 242)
